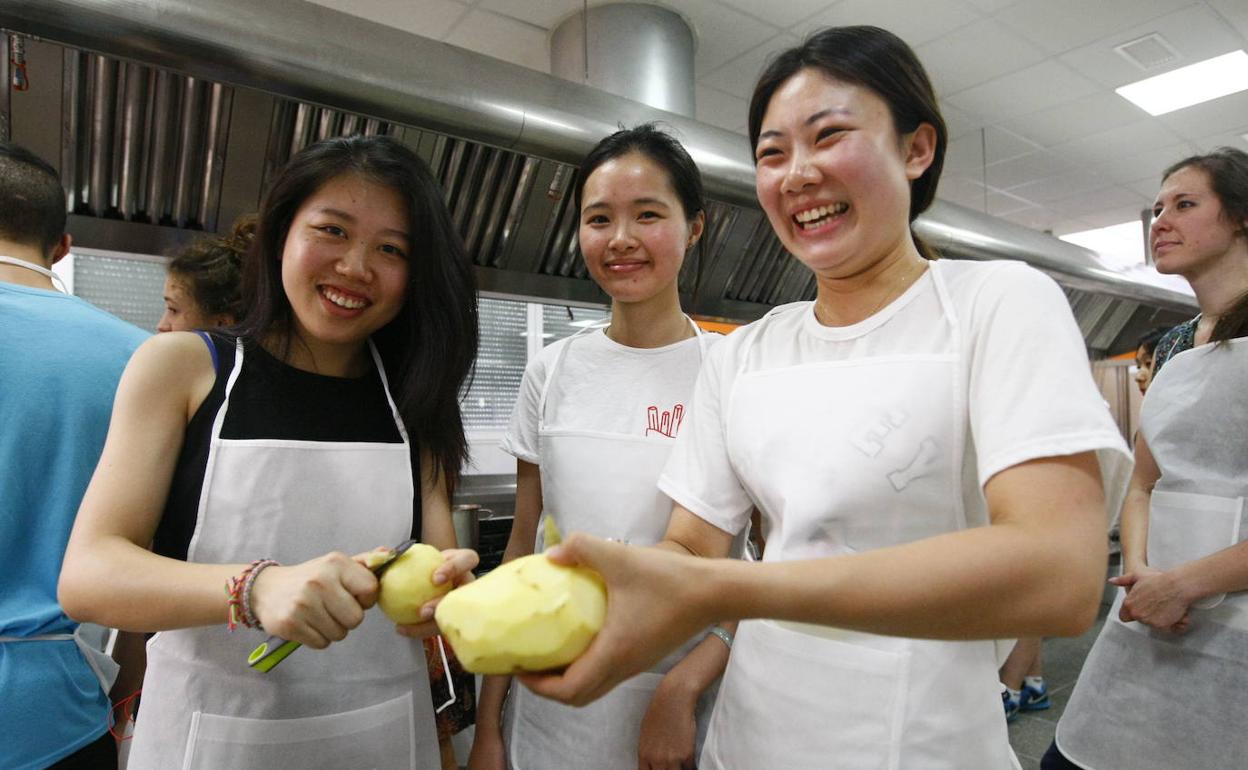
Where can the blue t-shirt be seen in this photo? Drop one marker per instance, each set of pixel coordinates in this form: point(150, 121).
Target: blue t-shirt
point(60, 360)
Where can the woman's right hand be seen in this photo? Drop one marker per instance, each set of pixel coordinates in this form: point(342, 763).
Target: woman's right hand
point(314, 603)
point(488, 751)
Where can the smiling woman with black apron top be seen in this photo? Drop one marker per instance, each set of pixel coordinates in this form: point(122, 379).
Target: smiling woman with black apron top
point(325, 423)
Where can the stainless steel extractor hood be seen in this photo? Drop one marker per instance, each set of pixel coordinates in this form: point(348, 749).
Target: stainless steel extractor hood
point(172, 114)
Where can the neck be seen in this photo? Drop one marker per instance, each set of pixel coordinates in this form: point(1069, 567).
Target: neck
point(1218, 287)
point(320, 358)
point(21, 275)
point(652, 323)
point(844, 301)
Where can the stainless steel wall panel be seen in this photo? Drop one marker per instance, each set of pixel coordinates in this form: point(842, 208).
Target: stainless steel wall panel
point(102, 76)
point(220, 101)
point(133, 125)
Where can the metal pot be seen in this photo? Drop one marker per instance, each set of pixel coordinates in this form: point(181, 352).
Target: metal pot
point(466, 519)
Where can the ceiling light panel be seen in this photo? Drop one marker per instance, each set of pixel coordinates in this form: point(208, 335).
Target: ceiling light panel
point(1193, 84)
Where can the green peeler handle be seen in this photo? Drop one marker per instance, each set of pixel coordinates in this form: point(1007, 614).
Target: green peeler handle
point(271, 652)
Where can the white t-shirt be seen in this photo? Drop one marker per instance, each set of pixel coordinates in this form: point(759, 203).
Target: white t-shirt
point(606, 387)
point(1031, 393)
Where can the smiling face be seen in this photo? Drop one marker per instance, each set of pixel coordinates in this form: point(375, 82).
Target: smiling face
point(833, 175)
point(633, 231)
point(1191, 233)
point(344, 262)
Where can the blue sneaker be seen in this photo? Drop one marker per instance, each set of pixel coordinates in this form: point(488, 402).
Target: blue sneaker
point(1011, 701)
point(1033, 698)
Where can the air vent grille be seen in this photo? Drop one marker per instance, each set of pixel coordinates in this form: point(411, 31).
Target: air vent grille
point(142, 144)
point(1148, 52)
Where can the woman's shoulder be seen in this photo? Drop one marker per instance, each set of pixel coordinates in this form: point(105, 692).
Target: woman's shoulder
point(173, 365)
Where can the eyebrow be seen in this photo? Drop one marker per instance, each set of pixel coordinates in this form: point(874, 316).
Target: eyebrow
point(815, 118)
point(635, 202)
point(344, 215)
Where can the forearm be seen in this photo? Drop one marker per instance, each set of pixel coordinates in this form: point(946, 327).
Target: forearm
point(987, 582)
point(1133, 530)
point(703, 664)
point(115, 583)
point(490, 702)
point(131, 655)
point(1222, 572)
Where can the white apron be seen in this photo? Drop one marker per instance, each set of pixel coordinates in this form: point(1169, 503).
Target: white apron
point(605, 484)
point(1151, 699)
point(840, 457)
point(363, 702)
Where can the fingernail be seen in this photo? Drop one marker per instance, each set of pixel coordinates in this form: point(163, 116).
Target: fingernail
point(439, 578)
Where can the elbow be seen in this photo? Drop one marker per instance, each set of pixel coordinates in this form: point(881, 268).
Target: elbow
point(74, 595)
point(1079, 613)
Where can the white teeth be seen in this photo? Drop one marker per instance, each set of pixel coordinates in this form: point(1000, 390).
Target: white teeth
point(341, 300)
point(811, 217)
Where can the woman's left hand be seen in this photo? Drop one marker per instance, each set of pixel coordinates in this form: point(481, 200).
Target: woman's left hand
point(669, 730)
point(456, 569)
point(1154, 599)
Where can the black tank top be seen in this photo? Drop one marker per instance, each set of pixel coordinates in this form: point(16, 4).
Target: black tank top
point(272, 400)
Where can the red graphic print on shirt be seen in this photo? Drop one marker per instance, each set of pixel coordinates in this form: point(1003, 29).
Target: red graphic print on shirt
point(664, 423)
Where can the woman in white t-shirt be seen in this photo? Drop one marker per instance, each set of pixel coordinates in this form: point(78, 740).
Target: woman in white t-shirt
point(595, 421)
point(879, 430)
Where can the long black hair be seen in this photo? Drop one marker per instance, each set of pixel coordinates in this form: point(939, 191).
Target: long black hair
point(1227, 170)
point(666, 152)
point(875, 59)
point(428, 348)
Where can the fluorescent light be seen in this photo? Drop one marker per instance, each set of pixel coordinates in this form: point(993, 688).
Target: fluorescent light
point(1193, 84)
point(1119, 246)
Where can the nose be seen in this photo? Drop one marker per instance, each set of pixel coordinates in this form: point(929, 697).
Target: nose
point(164, 325)
point(800, 173)
point(622, 238)
point(354, 262)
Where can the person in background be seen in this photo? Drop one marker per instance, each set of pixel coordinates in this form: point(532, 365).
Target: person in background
point(1022, 679)
point(1164, 684)
point(593, 426)
point(60, 360)
point(1144, 352)
point(921, 492)
point(203, 285)
point(328, 421)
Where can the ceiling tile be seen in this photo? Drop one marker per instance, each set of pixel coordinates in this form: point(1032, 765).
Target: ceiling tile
point(957, 122)
point(1196, 33)
point(540, 13)
point(975, 54)
point(718, 108)
point(738, 76)
point(1234, 11)
point(1026, 168)
point(971, 151)
point(1036, 88)
point(427, 18)
point(1046, 220)
point(781, 14)
point(1058, 26)
point(722, 33)
point(961, 190)
point(1226, 115)
point(1055, 188)
point(503, 38)
point(1090, 114)
point(1000, 203)
point(1147, 134)
point(916, 22)
point(1144, 164)
point(1234, 139)
point(1088, 203)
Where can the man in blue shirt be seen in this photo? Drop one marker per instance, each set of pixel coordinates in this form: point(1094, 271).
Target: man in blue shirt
point(60, 361)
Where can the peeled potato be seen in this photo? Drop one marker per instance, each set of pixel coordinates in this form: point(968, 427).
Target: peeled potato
point(527, 615)
point(407, 584)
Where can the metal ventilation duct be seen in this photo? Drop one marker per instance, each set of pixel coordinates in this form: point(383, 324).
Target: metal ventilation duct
point(640, 52)
point(503, 140)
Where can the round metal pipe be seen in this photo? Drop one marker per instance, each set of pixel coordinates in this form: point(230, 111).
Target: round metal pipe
point(640, 52)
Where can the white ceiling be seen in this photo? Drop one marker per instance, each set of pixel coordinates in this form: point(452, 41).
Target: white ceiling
point(1038, 135)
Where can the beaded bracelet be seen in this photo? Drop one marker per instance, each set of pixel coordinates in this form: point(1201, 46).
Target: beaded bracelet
point(238, 590)
point(723, 634)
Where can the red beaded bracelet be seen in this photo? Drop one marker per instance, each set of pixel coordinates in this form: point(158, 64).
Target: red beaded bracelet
point(238, 590)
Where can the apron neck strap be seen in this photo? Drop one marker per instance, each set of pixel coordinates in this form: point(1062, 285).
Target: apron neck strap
point(56, 279)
